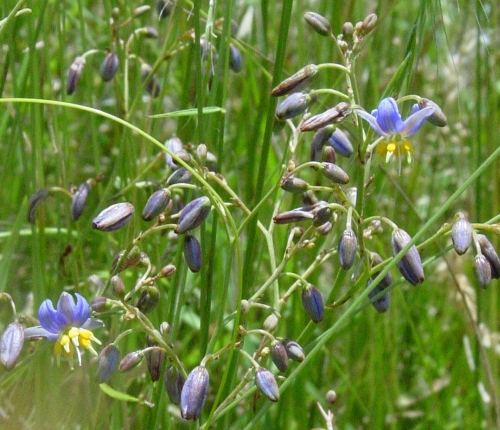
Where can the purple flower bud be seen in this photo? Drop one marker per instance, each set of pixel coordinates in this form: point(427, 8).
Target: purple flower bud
point(267, 384)
point(114, 217)
point(482, 269)
point(461, 234)
point(331, 116)
point(348, 246)
point(118, 287)
point(164, 8)
point(341, 143)
point(382, 303)
point(235, 62)
point(293, 105)
point(279, 356)
point(438, 118)
point(410, 265)
point(99, 304)
point(173, 381)
point(75, 71)
point(296, 82)
point(312, 301)
point(294, 350)
point(387, 279)
point(322, 213)
point(192, 253)
point(131, 360)
point(133, 258)
point(150, 32)
point(294, 185)
point(78, 201)
point(193, 214)
point(369, 23)
point(325, 228)
point(148, 300)
point(318, 23)
point(34, 201)
point(174, 144)
point(491, 255)
point(156, 204)
point(167, 271)
point(180, 176)
point(11, 343)
point(292, 216)
point(154, 360)
point(109, 66)
point(194, 393)
point(270, 323)
point(107, 363)
point(334, 173)
point(152, 85)
point(319, 140)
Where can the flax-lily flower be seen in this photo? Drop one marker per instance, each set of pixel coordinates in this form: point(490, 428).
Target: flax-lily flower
point(387, 123)
point(69, 326)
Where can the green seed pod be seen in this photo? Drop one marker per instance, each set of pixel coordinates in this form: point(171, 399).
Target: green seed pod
point(318, 23)
point(235, 61)
point(192, 253)
point(334, 115)
point(348, 246)
point(193, 214)
point(294, 185)
point(294, 350)
point(482, 269)
point(114, 217)
point(148, 299)
point(334, 173)
point(75, 71)
point(296, 82)
point(313, 303)
point(491, 255)
point(438, 118)
point(410, 265)
point(11, 344)
point(461, 234)
point(154, 359)
point(37, 198)
point(131, 360)
point(173, 382)
point(107, 363)
point(294, 105)
point(109, 66)
point(194, 393)
point(267, 384)
point(156, 204)
point(341, 143)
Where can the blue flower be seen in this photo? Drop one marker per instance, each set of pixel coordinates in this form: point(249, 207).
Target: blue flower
point(69, 326)
point(387, 122)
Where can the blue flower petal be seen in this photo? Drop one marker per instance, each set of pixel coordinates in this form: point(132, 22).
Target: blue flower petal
point(50, 319)
point(388, 116)
point(81, 311)
point(37, 331)
point(92, 324)
point(415, 120)
point(372, 121)
point(66, 305)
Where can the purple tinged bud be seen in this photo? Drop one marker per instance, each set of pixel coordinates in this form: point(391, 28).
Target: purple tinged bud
point(348, 246)
point(11, 343)
point(235, 61)
point(154, 360)
point(148, 299)
point(331, 397)
point(410, 265)
point(173, 382)
point(319, 140)
point(294, 105)
point(267, 384)
point(491, 255)
point(109, 66)
point(167, 271)
point(461, 234)
point(194, 393)
point(78, 200)
point(331, 116)
point(75, 71)
point(279, 356)
point(99, 304)
point(107, 363)
point(294, 185)
point(341, 143)
point(118, 287)
point(180, 176)
point(369, 23)
point(292, 216)
point(114, 217)
point(325, 228)
point(294, 350)
point(382, 303)
point(164, 8)
point(270, 323)
point(152, 85)
point(150, 32)
point(34, 201)
point(334, 173)
point(296, 82)
point(482, 269)
point(322, 213)
point(318, 23)
point(134, 257)
point(131, 360)
point(192, 253)
point(313, 303)
point(156, 204)
point(174, 144)
point(387, 279)
point(193, 214)
point(438, 118)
